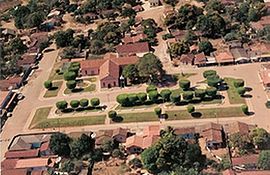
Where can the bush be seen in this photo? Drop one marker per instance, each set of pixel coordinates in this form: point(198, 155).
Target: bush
point(158, 111)
point(208, 73)
point(184, 84)
point(267, 104)
point(190, 108)
point(95, 102)
point(188, 95)
point(70, 75)
point(153, 96)
point(132, 98)
point(244, 109)
point(213, 81)
point(200, 93)
point(238, 83)
point(48, 84)
point(135, 163)
point(241, 90)
point(165, 94)
point(71, 84)
point(123, 99)
point(74, 103)
point(151, 88)
point(142, 97)
point(211, 91)
point(61, 105)
point(112, 114)
point(84, 102)
point(175, 97)
point(57, 71)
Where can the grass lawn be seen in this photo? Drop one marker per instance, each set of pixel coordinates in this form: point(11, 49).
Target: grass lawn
point(184, 76)
point(91, 79)
point(90, 88)
point(184, 115)
point(40, 120)
point(234, 97)
point(54, 91)
point(54, 75)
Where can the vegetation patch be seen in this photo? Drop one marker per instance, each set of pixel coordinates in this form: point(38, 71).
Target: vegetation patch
point(90, 88)
point(233, 94)
point(41, 121)
point(55, 74)
point(54, 90)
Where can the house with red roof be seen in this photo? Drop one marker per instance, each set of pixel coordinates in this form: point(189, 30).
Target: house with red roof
point(224, 58)
point(139, 49)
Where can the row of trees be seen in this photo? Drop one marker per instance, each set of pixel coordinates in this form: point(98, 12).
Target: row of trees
point(75, 104)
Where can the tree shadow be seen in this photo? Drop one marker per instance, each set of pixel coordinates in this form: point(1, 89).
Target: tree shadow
point(196, 114)
point(77, 90)
point(223, 87)
point(248, 89)
point(68, 110)
point(195, 100)
point(249, 113)
point(117, 119)
point(53, 88)
point(80, 109)
point(247, 96)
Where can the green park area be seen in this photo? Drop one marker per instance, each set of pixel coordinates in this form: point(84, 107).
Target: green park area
point(234, 96)
point(53, 91)
point(41, 120)
point(184, 114)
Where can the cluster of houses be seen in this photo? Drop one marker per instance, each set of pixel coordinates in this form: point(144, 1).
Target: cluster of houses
point(27, 62)
point(28, 155)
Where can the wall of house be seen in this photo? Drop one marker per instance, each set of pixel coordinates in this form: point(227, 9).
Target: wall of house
point(134, 149)
point(109, 82)
point(90, 71)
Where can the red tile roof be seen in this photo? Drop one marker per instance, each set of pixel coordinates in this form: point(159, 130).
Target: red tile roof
point(34, 162)
point(140, 141)
point(45, 146)
point(12, 81)
point(138, 8)
point(134, 39)
point(237, 127)
point(15, 172)
point(200, 59)
point(244, 160)
point(109, 69)
point(228, 172)
point(149, 141)
point(151, 130)
point(26, 59)
point(255, 172)
point(22, 154)
point(179, 131)
point(37, 172)
point(187, 58)
point(212, 131)
point(8, 164)
point(224, 57)
point(96, 63)
point(140, 47)
point(265, 77)
point(120, 131)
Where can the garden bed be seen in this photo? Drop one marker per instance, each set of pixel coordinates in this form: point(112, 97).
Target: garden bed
point(233, 95)
point(53, 92)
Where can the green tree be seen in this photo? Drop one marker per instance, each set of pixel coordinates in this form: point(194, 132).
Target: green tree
point(64, 38)
point(209, 73)
point(238, 83)
point(95, 102)
point(175, 97)
point(244, 109)
point(188, 95)
point(132, 98)
point(151, 88)
point(150, 66)
point(83, 145)
point(206, 47)
point(142, 97)
point(131, 72)
point(215, 5)
point(122, 99)
point(211, 91)
point(59, 144)
point(70, 75)
point(17, 46)
point(48, 84)
point(128, 12)
point(241, 90)
point(184, 84)
point(153, 96)
point(264, 160)
point(158, 111)
point(200, 93)
point(190, 108)
point(35, 19)
point(112, 114)
point(84, 102)
point(74, 103)
point(179, 48)
point(260, 138)
point(213, 81)
point(165, 94)
point(71, 84)
point(61, 105)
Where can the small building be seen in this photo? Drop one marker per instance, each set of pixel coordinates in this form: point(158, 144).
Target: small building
point(138, 8)
point(237, 127)
point(27, 60)
point(187, 59)
point(11, 82)
point(151, 130)
point(224, 58)
point(259, 25)
point(186, 133)
point(260, 51)
point(139, 49)
point(240, 55)
point(265, 78)
point(136, 144)
point(200, 60)
point(154, 3)
point(118, 134)
point(247, 162)
point(35, 163)
point(31, 153)
point(134, 39)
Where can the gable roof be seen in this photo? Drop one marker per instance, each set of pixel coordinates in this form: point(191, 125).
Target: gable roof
point(180, 131)
point(120, 131)
point(149, 141)
point(35, 162)
point(244, 160)
point(140, 47)
point(134, 141)
point(8, 164)
point(109, 69)
point(134, 39)
point(224, 57)
point(15, 172)
point(237, 127)
point(151, 130)
point(212, 135)
point(22, 154)
point(26, 59)
point(20, 144)
point(200, 59)
point(12, 81)
point(187, 58)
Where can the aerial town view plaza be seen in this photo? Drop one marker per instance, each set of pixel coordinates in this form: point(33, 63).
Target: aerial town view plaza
point(132, 87)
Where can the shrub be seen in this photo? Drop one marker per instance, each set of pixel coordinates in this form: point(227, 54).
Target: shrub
point(123, 99)
point(165, 94)
point(200, 93)
point(70, 75)
point(267, 104)
point(211, 91)
point(132, 98)
point(184, 84)
point(213, 81)
point(208, 73)
point(153, 96)
point(188, 95)
point(61, 105)
point(151, 88)
point(71, 84)
point(95, 102)
point(84, 102)
point(175, 97)
point(244, 109)
point(190, 108)
point(135, 163)
point(238, 83)
point(142, 96)
point(241, 90)
point(48, 84)
point(74, 103)
point(57, 71)
point(158, 111)
point(112, 114)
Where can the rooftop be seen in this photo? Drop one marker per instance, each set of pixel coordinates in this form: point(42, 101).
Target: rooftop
point(140, 47)
point(151, 130)
point(244, 160)
point(224, 57)
point(35, 162)
point(22, 154)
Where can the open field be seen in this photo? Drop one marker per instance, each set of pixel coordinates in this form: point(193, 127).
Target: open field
point(40, 120)
point(234, 97)
point(184, 115)
point(54, 91)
